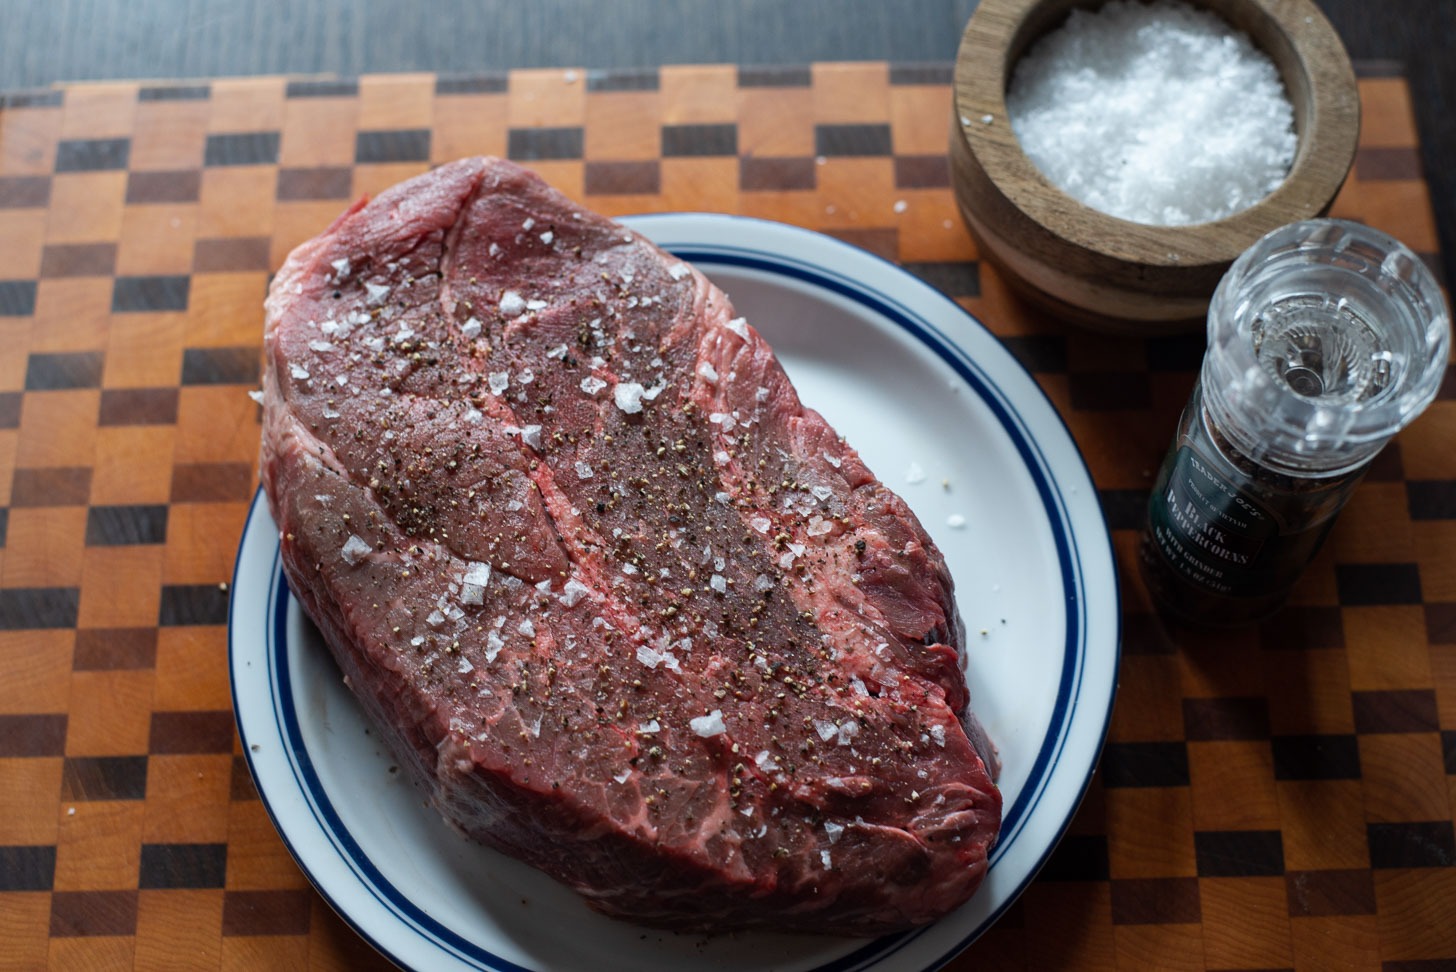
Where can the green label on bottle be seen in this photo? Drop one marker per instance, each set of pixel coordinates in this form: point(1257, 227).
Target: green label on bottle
point(1211, 532)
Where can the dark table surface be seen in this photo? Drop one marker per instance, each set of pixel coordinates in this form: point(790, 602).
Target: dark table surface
point(45, 42)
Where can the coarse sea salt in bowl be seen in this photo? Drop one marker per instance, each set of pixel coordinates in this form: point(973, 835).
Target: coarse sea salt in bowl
point(1167, 136)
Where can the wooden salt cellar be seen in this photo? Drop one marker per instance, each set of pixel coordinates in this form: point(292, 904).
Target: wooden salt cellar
point(1108, 273)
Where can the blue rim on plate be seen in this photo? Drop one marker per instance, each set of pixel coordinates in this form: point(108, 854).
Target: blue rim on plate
point(1088, 578)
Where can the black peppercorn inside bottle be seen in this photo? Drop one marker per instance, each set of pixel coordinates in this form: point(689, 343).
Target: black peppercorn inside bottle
point(1324, 339)
point(1226, 539)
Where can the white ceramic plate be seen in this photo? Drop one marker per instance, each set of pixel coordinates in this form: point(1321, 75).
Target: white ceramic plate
point(912, 381)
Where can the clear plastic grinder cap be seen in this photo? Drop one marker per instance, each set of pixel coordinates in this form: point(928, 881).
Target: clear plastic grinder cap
point(1325, 338)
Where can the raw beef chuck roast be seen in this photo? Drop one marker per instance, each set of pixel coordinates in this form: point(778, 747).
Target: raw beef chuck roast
point(622, 605)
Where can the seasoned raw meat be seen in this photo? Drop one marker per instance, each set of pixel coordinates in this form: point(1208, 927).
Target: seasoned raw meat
point(625, 608)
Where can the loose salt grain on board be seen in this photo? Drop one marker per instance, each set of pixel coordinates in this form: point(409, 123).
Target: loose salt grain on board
point(1156, 113)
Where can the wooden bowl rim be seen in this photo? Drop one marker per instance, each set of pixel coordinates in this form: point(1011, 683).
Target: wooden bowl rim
point(1325, 152)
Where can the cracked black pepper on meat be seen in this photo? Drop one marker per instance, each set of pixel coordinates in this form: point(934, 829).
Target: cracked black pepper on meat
point(623, 606)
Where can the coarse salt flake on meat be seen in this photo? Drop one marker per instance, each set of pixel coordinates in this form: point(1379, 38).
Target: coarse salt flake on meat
point(518, 571)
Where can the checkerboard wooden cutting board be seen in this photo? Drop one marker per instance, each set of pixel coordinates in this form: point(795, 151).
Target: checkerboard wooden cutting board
point(1280, 797)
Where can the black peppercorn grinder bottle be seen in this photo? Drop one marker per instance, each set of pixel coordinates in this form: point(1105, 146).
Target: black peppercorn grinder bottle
point(1325, 339)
